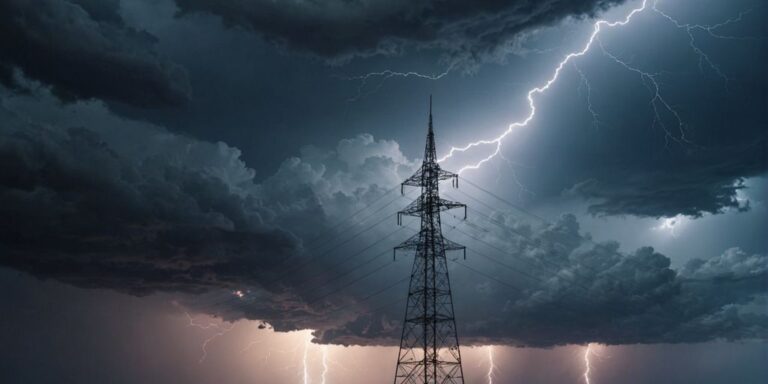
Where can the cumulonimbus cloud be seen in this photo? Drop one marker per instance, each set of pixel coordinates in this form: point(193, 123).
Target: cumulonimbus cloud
point(98, 201)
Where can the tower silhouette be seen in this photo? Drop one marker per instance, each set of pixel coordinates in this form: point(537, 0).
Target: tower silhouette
point(429, 346)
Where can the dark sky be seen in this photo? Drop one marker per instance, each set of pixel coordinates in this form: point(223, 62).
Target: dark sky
point(157, 156)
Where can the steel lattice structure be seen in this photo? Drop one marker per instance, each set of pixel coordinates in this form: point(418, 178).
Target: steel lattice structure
point(429, 346)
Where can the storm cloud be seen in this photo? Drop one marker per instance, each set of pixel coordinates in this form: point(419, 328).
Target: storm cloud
point(97, 201)
point(466, 31)
point(160, 212)
point(82, 49)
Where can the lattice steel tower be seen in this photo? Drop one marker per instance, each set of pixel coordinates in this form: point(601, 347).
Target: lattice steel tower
point(429, 347)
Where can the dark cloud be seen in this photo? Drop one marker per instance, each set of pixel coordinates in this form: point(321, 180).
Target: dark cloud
point(98, 201)
point(341, 28)
point(83, 50)
point(168, 214)
point(711, 186)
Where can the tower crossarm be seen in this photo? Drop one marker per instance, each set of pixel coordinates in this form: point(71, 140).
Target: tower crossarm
point(413, 242)
point(449, 245)
point(417, 208)
point(409, 245)
point(419, 178)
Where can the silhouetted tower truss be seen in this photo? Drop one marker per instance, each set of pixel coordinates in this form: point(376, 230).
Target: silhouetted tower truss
point(429, 347)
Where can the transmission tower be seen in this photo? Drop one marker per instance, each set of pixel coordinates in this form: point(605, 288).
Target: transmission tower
point(429, 346)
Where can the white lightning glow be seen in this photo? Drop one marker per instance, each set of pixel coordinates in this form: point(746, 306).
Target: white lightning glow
point(587, 363)
point(670, 225)
point(598, 26)
point(491, 365)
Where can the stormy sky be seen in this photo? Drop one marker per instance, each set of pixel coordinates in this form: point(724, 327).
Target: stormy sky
point(205, 191)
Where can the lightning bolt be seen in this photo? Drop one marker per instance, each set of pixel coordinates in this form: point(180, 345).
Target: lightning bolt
point(194, 323)
point(383, 76)
point(216, 335)
point(598, 27)
point(585, 83)
point(305, 363)
point(325, 364)
point(491, 364)
point(709, 29)
point(658, 103)
point(587, 364)
point(223, 328)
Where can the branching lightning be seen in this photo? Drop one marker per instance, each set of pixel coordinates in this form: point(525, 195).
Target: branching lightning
point(383, 76)
point(585, 83)
point(496, 142)
point(222, 327)
point(658, 103)
point(216, 335)
point(709, 29)
point(324, 375)
point(194, 323)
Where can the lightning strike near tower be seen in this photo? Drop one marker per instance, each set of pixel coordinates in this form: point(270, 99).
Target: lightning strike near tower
point(496, 141)
point(650, 80)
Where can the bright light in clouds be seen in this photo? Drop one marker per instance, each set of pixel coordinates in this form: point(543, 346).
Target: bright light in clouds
point(670, 225)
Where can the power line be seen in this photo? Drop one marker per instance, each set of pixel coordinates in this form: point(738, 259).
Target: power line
point(346, 219)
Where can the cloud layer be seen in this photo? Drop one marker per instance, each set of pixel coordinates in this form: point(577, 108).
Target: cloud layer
point(340, 29)
point(83, 50)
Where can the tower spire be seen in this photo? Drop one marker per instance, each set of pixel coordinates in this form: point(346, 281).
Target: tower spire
point(430, 113)
point(430, 154)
